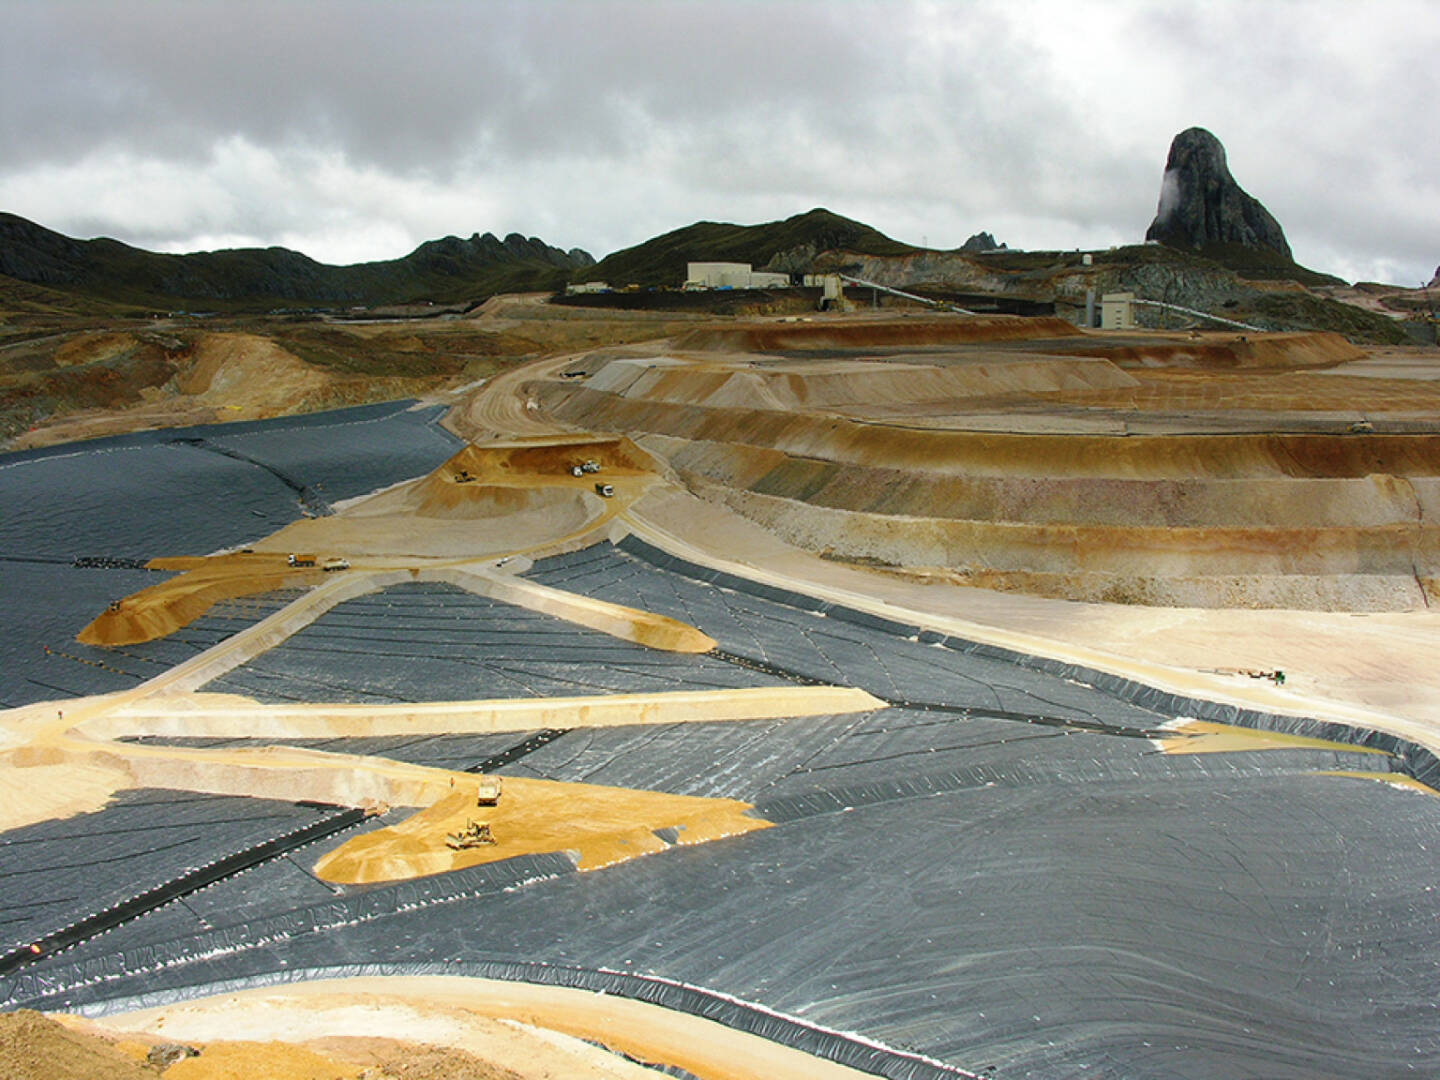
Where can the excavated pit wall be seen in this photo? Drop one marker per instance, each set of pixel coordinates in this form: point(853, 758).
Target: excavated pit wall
point(1311, 521)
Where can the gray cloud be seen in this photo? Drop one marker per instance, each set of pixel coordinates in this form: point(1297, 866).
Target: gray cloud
point(360, 128)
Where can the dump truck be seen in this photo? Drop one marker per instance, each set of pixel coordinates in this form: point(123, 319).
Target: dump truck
point(604, 490)
point(488, 793)
point(330, 565)
point(591, 466)
point(300, 560)
point(475, 834)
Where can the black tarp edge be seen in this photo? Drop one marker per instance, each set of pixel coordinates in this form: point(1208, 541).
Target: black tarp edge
point(121, 911)
point(57, 985)
point(1412, 759)
point(841, 1047)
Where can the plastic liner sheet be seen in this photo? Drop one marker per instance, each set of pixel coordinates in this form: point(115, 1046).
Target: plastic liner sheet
point(1415, 760)
point(1138, 773)
point(196, 878)
point(428, 642)
point(842, 1047)
point(468, 753)
point(34, 986)
point(359, 451)
point(310, 498)
point(133, 497)
point(54, 873)
point(804, 646)
point(1229, 917)
point(330, 418)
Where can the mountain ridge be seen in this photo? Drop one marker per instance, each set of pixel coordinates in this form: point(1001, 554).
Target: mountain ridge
point(788, 245)
point(445, 270)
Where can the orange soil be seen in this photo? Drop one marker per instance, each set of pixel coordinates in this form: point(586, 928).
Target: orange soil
point(601, 825)
point(203, 582)
point(512, 480)
point(1204, 737)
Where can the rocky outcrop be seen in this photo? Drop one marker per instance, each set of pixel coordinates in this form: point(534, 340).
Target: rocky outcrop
point(982, 241)
point(1201, 204)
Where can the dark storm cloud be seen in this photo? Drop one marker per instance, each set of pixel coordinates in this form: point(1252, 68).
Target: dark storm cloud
point(423, 85)
point(360, 126)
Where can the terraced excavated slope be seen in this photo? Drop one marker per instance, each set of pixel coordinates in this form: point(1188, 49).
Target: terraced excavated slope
point(1203, 471)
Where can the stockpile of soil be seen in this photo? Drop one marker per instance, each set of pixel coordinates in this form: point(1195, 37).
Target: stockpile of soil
point(34, 1047)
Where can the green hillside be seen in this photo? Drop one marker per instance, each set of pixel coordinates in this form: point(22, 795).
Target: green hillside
point(253, 279)
point(661, 261)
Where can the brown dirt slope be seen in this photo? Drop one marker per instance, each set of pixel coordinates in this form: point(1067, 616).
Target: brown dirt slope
point(891, 333)
point(35, 1047)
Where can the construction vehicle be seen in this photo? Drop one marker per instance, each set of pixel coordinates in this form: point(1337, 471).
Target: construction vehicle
point(591, 466)
point(604, 490)
point(475, 834)
point(334, 564)
point(300, 560)
point(488, 793)
point(577, 470)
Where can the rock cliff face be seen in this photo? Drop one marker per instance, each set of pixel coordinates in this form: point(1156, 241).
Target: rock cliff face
point(1201, 204)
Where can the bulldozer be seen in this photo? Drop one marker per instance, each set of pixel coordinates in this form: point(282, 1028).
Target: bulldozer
point(475, 834)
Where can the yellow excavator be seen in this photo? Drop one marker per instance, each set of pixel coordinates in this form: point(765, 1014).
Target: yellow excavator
point(477, 833)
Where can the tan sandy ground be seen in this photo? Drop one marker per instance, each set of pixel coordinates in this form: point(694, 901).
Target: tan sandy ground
point(451, 1011)
point(600, 826)
point(1204, 737)
point(56, 762)
point(36, 1047)
point(489, 503)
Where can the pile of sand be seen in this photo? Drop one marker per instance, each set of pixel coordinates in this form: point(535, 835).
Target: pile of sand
point(600, 825)
point(34, 1047)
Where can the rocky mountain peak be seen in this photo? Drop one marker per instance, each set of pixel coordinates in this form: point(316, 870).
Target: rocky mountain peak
point(1201, 204)
point(982, 241)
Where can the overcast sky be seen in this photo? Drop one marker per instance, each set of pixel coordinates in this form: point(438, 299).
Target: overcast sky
point(355, 129)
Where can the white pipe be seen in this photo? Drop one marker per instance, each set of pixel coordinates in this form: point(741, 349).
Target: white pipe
point(905, 295)
point(1200, 314)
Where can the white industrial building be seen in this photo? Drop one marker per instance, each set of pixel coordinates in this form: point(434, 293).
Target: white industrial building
point(1117, 311)
point(729, 275)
